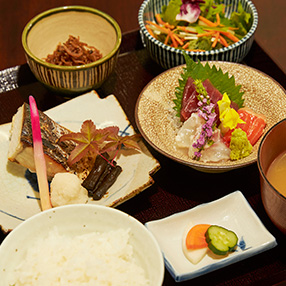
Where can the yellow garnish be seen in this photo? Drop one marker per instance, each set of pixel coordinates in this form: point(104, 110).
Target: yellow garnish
point(228, 116)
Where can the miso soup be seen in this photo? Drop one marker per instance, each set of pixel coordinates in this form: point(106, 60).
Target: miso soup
point(276, 173)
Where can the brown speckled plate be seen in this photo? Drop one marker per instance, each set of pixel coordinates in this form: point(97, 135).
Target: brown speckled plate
point(155, 118)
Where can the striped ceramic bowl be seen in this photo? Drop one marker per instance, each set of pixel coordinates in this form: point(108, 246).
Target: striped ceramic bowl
point(43, 33)
point(169, 57)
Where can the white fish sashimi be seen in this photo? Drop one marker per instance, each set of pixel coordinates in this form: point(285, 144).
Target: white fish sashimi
point(217, 151)
point(190, 132)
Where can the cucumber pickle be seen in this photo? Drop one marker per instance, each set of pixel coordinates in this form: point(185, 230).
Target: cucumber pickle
point(220, 240)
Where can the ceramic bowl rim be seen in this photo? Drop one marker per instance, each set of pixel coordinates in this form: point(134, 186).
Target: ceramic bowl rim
point(191, 53)
point(259, 159)
point(194, 165)
point(44, 215)
point(64, 9)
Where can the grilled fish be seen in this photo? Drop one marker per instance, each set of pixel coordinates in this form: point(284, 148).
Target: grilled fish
point(56, 153)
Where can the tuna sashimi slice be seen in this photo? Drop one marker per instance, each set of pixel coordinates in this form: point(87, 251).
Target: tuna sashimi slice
point(189, 101)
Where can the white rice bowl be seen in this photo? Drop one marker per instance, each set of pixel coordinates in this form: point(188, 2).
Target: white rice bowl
point(67, 228)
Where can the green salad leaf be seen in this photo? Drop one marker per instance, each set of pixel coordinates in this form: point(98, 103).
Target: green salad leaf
point(242, 20)
point(222, 81)
point(239, 23)
point(170, 11)
point(209, 10)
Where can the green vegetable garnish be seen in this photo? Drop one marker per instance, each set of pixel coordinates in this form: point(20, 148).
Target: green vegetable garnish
point(220, 240)
point(222, 81)
point(239, 145)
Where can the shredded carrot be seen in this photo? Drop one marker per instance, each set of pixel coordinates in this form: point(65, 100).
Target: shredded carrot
point(167, 25)
point(150, 31)
point(208, 22)
point(175, 44)
point(185, 29)
point(158, 27)
point(163, 23)
point(217, 19)
point(195, 238)
point(186, 45)
point(206, 34)
point(216, 39)
point(159, 19)
point(223, 41)
point(230, 36)
point(178, 39)
point(195, 50)
point(167, 40)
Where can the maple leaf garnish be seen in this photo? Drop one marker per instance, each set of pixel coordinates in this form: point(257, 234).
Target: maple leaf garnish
point(115, 142)
point(93, 141)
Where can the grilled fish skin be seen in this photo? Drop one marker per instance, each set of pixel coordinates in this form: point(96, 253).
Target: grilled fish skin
point(21, 142)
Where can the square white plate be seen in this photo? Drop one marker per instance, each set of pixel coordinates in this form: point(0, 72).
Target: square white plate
point(232, 212)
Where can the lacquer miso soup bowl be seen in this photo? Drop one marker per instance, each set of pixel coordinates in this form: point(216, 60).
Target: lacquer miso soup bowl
point(168, 56)
point(272, 145)
point(93, 28)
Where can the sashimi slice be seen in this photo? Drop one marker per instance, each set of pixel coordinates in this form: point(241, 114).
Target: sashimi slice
point(213, 93)
point(190, 129)
point(217, 152)
point(253, 127)
point(254, 124)
point(189, 101)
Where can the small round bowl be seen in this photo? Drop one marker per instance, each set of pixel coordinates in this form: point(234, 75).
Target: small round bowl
point(272, 144)
point(169, 57)
point(75, 220)
point(43, 33)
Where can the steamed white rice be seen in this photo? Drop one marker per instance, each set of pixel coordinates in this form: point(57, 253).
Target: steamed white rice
point(89, 259)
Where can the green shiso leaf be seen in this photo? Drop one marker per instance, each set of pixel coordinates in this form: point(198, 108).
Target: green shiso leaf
point(221, 81)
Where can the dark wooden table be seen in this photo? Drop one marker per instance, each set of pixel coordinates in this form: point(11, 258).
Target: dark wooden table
point(177, 187)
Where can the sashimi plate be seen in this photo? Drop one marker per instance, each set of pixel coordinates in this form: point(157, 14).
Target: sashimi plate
point(155, 115)
point(232, 212)
point(19, 198)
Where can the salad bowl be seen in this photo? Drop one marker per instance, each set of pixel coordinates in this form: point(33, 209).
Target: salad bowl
point(157, 121)
point(169, 57)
